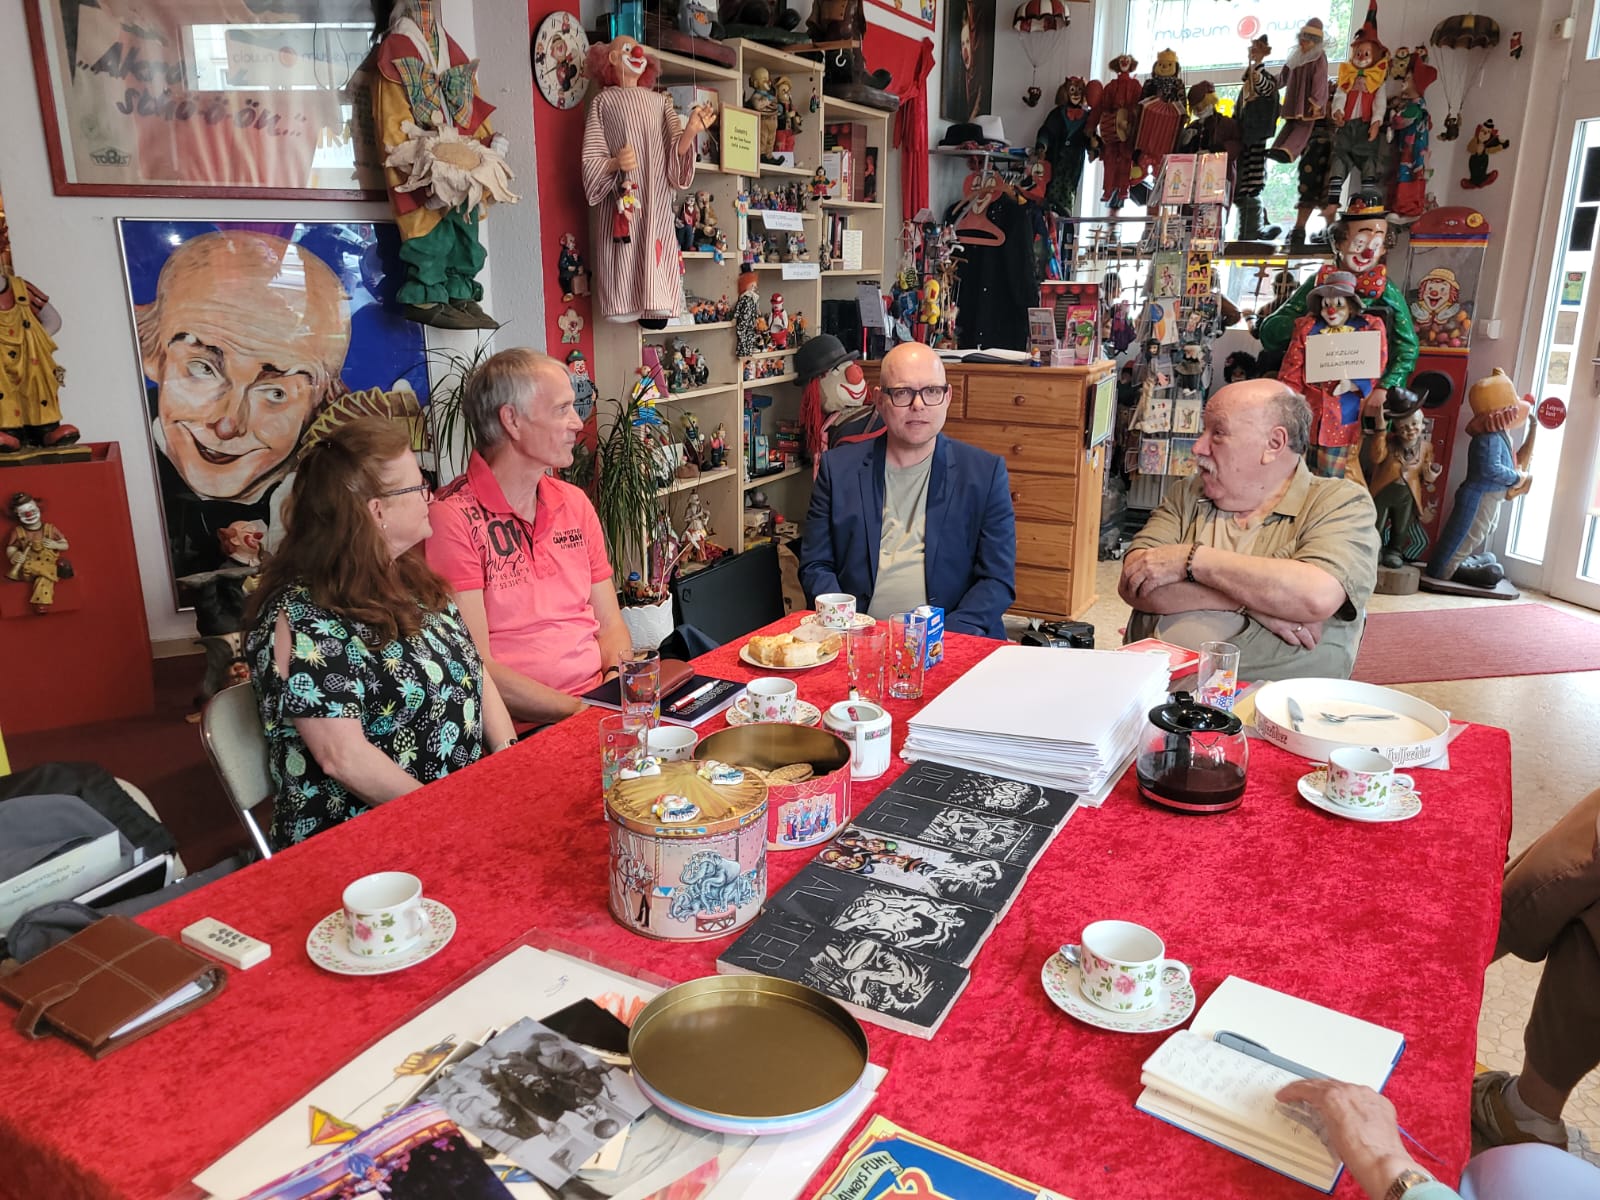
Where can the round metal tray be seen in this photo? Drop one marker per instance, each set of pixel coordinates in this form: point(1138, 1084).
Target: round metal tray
point(1419, 734)
point(765, 1054)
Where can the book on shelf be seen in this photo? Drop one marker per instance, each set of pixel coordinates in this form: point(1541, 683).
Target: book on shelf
point(898, 989)
point(894, 916)
point(850, 249)
point(836, 166)
point(1228, 1097)
point(849, 138)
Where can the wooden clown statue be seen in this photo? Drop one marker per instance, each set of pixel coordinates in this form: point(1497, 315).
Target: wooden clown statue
point(1115, 121)
point(1358, 111)
point(635, 151)
point(1335, 403)
point(30, 381)
point(1256, 111)
point(1397, 458)
point(1305, 92)
point(1494, 473)
point(444, 166)
point(1410, 130)
point(1359, 240)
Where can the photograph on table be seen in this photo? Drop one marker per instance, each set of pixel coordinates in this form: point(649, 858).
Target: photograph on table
point(932, 870)
point(967, 77)
point(256, 340)
point(907, 920)
point(212, 98)
point(417, 1154)
point(539, 1098)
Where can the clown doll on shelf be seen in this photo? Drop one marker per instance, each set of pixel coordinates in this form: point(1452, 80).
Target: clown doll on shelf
point(33, 552)
point(1357, 109)
point(633, 145)
point(1115, 121)
point(1256, 111)
point(444, 166)
point(833, 397)
point(1397, 458)
point(778, 323)
point(1410, 130)
point(1359, 240)
point(1335, 403)
point(746, 312)
point(1462, 556)
point(30, 381)
point(1161, 110)
point(1304, 82)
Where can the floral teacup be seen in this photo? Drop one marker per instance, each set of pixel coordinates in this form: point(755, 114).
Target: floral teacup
point(1121, 966)
point(383, 914)
point(772, 699)
point(1362, 780)
point(836, 610)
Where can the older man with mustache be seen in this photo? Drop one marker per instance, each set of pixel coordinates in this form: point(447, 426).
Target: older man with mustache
point(1255, 550)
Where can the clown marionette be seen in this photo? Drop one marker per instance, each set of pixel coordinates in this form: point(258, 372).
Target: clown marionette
point(1305, 92)
point(1115, 120)
point(1335, 403)
point(1410, 131)
point(746, 311)
point(1256, 111)
point(1359, 242)
point(30, 381)
point(1161, 109)
point(1065, 140)
point(1209, 131)
point(1357, 111)
point(833, 397)
point(1401, 474)
point(443, 165)
point(1485, 140)
point(1494, 473)
point(1437, 313)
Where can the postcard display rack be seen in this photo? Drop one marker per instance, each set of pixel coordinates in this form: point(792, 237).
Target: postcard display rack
point(731, 390)
point(1183, 237)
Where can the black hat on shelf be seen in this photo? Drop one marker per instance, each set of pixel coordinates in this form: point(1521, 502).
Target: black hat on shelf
point(819, 355)
point(963, 133)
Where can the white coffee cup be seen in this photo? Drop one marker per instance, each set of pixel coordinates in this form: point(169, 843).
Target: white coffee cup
point(383, 914)
point(672, 743)
point(1122, 966)
point(1362, 780)
point(772, 699)
point(836, 610)
point(867, 728)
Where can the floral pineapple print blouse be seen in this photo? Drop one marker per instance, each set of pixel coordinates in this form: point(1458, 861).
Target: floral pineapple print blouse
point(419, 700)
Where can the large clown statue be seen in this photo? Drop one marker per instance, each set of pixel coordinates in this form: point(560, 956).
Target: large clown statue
point(1335, 403)
point(1359, 243)
point(833, 399)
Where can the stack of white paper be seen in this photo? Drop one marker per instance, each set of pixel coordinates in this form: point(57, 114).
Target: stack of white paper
point(1060, 718)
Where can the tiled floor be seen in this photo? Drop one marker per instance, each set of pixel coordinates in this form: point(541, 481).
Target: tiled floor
point(1555, 761)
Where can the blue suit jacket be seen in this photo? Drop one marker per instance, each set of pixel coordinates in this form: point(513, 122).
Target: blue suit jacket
point(969, 544)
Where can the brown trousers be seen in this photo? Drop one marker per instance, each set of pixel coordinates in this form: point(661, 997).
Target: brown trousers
point(1550, 911)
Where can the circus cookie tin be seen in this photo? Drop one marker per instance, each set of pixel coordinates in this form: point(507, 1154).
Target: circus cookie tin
point(807, 773)
point(688, 851)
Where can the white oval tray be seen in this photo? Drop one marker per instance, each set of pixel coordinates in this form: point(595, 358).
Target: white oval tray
point(1419, 738)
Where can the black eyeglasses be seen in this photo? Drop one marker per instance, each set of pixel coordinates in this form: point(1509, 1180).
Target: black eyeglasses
point(425, 488)
point(933, 395)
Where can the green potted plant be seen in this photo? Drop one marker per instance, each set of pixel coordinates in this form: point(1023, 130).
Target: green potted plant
point(633, 515)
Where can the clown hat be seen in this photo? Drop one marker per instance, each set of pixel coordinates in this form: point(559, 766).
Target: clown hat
point(1368, 33)
point(1312, 29)
point(1336, 283)
point(1364, 208)
point(1200, 91)
point(1440, 275)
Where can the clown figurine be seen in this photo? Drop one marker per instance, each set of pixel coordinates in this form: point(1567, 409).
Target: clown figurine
point(1357, 113)
point(833, 397)
point(1161, 109)
point(1401, 475)
point(778, 323)
point(1209, 131)
point(1485, 140)
point(928, 314)
point(1115, 121)
point(1305, 92)
point(1462, 553)
point(1256, 111)
point(574, 276)
point(30, 381)
point(1064, 141)
point(1335, 404)
point(1359, 242)
point(746, 310)
point(1410, 129)
point(33, 552)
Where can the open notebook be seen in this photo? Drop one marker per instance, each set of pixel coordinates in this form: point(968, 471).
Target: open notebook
point(1226, 1096)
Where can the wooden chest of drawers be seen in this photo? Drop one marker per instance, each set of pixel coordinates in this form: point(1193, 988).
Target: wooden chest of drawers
point(1034, 418)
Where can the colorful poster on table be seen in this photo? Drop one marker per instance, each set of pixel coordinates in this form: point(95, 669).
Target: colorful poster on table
point(256, 339)
point(888, 1161)
point(967, 76)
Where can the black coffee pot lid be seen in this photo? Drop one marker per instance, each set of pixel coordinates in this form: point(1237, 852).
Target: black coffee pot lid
point(1182, 713)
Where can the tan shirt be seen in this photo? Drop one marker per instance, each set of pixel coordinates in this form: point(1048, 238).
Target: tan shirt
point(1329, 523)
point(902, 581)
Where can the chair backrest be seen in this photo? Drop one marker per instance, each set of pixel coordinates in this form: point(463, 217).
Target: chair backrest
point(732, 596)
point(230, 728)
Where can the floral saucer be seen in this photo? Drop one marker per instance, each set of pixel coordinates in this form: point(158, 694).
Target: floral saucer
point(1173, 1006)
point(859, 620)
point(329, 947)
point(1404, 803)
point(805, 713)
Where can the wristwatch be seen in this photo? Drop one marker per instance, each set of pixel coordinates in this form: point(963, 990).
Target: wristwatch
point(1405, 1181)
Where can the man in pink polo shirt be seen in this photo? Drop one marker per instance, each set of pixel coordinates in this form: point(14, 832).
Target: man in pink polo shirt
point(522, 549)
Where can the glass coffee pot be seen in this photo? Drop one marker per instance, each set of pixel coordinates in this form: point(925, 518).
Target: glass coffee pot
point(1192, 757)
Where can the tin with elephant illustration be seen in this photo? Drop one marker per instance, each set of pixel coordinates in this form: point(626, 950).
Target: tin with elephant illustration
point(688, 850)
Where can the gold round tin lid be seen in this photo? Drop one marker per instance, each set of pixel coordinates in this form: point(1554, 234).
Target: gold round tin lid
point(769, 746)
point(682, 798)
point(747, 1047)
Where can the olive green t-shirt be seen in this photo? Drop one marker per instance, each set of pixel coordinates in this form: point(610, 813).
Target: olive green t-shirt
point(902, 583)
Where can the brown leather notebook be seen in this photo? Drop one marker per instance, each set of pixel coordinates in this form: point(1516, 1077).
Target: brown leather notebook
point(108, 985)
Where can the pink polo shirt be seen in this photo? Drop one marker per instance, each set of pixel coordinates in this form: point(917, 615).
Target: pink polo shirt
point(535, 579)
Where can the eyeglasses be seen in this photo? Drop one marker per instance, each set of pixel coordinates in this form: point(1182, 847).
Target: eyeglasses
point(425, 488)
point(933, 395)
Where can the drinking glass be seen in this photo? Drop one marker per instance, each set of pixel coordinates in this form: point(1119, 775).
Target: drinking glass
point(908, 647)
point(639, 676)
point(865, 651)
point(1219, 674)
point(621, 745)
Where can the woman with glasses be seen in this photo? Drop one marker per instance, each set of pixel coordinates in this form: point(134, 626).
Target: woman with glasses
point(368, 682)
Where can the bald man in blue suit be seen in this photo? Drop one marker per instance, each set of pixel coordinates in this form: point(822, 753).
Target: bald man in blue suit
point(914, 517)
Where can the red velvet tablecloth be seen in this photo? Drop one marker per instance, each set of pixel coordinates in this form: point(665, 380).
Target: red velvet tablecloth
point(1394, 923)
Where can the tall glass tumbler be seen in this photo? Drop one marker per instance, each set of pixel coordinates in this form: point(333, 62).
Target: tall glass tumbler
point(1219, 674)
point(908, 649)
point(639, 675)
point(620, 746)
point(865, 650)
